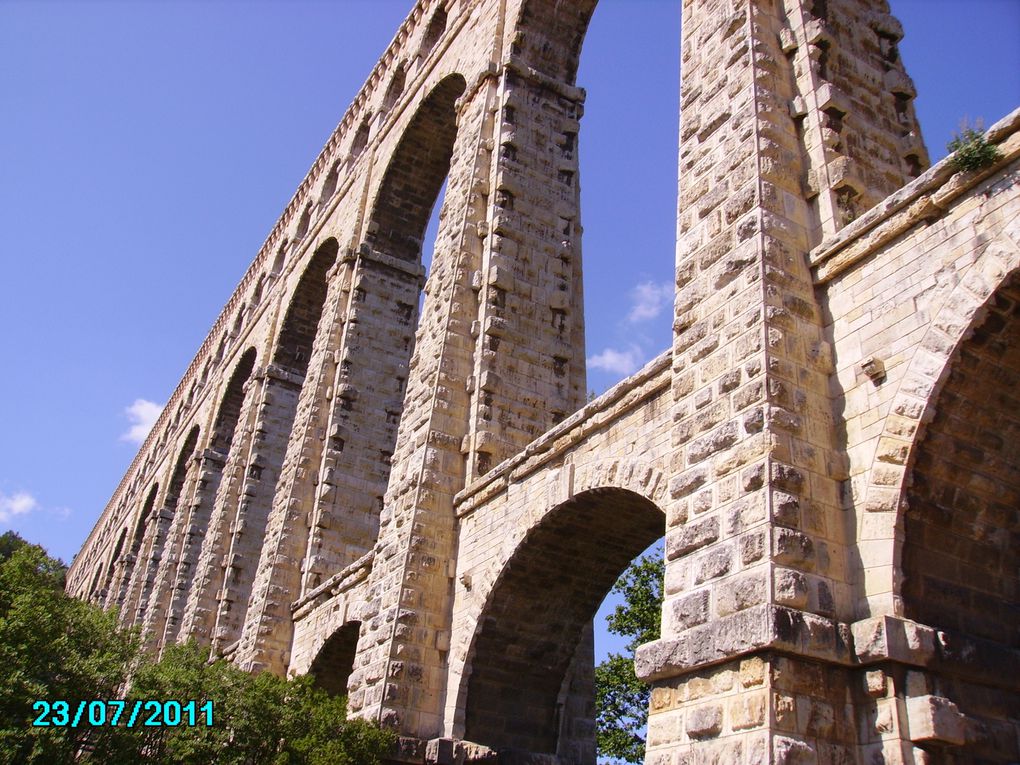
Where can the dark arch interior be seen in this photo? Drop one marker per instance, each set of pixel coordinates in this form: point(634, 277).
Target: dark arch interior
point(294, 348)
point(230, 406)
point(395, 88)
point(552, 35)
point(335, 661)
point(143, 518)
point(114, 558)
point(176, 485)
point(961, 548)
point(416, 173)
point(544, 599)
point(960, 555)
point(435, 29)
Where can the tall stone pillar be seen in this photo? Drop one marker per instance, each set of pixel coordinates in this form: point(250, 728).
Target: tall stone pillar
point(775, 153)
point(499, 358)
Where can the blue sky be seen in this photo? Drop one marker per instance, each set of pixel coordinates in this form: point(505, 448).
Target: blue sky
point(146, 149)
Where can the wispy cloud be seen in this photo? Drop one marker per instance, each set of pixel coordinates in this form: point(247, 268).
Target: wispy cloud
point(143, 415)
point(649, 299)
point(616, 361)
point(19, 503)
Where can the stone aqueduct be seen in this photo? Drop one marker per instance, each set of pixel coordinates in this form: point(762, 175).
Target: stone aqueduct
point(424, 512)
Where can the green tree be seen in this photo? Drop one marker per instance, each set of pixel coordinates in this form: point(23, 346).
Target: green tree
point(256, 719)
point(621, 700)
point(53, 647)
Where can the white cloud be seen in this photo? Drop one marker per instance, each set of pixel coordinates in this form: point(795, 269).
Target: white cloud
point(649, 299)
point(19, 503)
point(618, 362)
point(143, 415)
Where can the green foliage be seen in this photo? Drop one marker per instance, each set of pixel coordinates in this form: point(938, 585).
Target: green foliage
point(256, 719)
point(971, 150)
point(9, 542)
point(621, 700)
point(53, 647)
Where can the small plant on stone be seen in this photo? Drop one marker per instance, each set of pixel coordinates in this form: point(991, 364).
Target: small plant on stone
point(971, 150)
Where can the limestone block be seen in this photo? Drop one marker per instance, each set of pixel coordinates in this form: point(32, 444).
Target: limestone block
point(935, 719)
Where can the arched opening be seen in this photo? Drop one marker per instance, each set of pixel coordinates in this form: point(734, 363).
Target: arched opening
point(294, 348)
point(360, 140)
point(94, 587)
point(329, 185)
point(176, 485)
point(335, 661)
point(356, 462)
point(538, 616)
point(415, 175)
point(961, 536)
point(303, 222)
point(126, 592)
point(280, 259)
point(230, 405)
point(152, 603)
point(395, 88)
point(281, 391)
point(114, 560)
point(435, 29)
point(189, 575)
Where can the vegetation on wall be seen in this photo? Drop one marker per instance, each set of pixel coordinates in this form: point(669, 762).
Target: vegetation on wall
point(971, 150)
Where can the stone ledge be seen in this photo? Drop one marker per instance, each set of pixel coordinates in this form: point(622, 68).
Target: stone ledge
point(934, 719)
point(765, 627)
point(890, 638)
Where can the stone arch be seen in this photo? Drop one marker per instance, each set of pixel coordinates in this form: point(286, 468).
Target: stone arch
point(360, 140)
point(536, 613)
point(396, 87)
point(433, 32)
point(334, 662)
point(162, 541)
point(264, 459)
point(329, 184)
point(303, 222)
point(94, 587)
point(550, 34)
point(914, 406)
point(294, 346)
point(176, 485)
point(146, 518)
point(960, 546)
point(192, 537)
point(230, 405)
point(280, 259)
point(114, 559)
point(385, 297)
point(416, 173)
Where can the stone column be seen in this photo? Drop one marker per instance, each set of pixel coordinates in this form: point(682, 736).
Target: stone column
point(753, 662)
point(199, 614)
